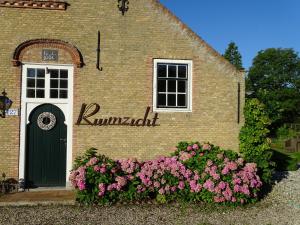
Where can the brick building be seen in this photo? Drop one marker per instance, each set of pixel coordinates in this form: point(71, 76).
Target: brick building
point(131, 83)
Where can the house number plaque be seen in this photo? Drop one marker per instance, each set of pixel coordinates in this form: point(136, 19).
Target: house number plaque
point(49, 55)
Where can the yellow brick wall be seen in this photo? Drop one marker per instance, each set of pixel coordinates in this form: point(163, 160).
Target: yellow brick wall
point(124, 88)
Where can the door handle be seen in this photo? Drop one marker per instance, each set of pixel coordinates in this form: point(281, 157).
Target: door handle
point(63, 139)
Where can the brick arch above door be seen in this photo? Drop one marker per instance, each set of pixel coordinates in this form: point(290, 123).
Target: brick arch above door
point(31, 51)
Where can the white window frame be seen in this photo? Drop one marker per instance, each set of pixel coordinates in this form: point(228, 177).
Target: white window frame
point(189, 85)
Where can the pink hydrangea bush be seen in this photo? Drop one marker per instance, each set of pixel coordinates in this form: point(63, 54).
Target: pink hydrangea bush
point(194, 172)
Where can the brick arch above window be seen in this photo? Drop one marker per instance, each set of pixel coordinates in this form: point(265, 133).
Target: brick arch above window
point(65, 47)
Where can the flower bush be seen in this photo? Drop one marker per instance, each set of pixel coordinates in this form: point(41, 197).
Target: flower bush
point(194, 172)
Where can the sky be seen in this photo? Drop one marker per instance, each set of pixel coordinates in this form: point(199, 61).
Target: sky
point(254, 25)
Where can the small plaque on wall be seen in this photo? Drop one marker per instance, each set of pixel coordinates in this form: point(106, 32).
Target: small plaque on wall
point(49, 55)
point(12, 112)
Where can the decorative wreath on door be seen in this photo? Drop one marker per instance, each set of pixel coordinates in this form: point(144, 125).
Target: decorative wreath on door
point(46, 121)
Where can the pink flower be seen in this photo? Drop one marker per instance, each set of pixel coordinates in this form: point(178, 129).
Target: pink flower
point(121, 181)
point(209, 163)
point(206, 147)
point(201, 154)
point(185, 156)
point(81, 185)
point(189, 148)
point(156, 184)
point(161, 191)
point(102, 170)
point(101, 189)
point(181, 185)
point(92, 161)
point(209, 185)
point(222, 185)
point(195, 147)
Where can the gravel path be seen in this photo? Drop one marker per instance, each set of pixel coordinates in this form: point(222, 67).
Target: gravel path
point(281, 206)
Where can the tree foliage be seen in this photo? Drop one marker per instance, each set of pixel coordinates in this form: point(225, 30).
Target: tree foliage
point(233, 55)
point(254, 144)
point(274, 78)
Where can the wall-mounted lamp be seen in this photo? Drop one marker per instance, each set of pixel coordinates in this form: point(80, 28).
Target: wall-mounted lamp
point(123, 6)
point(5, 104)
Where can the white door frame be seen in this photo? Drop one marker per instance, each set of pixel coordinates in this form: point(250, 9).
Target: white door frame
point(29, 104)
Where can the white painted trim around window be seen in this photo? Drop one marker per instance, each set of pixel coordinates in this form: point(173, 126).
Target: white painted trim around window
point(190, 89)
point(29, 104)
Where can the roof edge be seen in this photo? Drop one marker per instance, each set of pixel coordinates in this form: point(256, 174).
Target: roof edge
point(183, 26)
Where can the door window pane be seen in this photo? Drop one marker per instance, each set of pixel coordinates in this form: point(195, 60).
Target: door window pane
point(63, 94)
point(63, 73)
point(63, 84)
point(54, 93)
point(30, 93)
point(40, 83)
point(31, 72)
point(53, 83)
point(30, 82)
point(53, 73)
point(40, 73)
point(40, 93)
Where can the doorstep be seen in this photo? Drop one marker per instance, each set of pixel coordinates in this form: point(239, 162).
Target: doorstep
point(39, 196)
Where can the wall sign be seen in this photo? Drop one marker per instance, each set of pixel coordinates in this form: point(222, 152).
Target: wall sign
point(49, 55)
point(12, 112)
point(87, 113)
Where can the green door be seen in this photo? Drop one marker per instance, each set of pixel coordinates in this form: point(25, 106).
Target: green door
point(46, 136)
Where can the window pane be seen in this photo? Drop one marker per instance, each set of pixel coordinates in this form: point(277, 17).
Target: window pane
point(172, 86)
point(63, 94)
point(41, 73)
point(30, 72)
point(161, 70)
point(53, 83)
point(31, 83)
point(171, 100)
point(30, 93)
point(40, 83)
point(40, 93)
point(63, 84)
point(181, 100)
point(181, 86)
point(161, 86)
point(161, 100)
point(63, 73)
point(53, 93)
point(53, 73)
point(182, 71)
point(172, 71)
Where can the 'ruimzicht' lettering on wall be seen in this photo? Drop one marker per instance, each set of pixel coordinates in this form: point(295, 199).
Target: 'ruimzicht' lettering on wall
point(89, 111)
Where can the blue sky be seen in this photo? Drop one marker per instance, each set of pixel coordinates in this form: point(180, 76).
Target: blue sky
point(253, 25)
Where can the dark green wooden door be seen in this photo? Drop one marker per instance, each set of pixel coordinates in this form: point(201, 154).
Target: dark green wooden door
point(46, 147)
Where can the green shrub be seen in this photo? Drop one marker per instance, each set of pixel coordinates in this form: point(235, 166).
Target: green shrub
point(254, 142)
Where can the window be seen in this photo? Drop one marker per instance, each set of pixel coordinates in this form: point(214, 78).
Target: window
point(172, 85)
point(47, 83)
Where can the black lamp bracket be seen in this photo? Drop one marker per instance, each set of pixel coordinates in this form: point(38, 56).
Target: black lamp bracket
point(123, 6)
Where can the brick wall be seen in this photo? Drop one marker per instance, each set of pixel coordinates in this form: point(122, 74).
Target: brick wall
point(128, 46)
